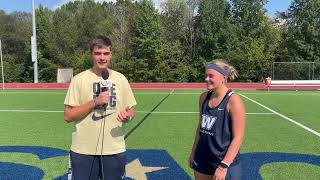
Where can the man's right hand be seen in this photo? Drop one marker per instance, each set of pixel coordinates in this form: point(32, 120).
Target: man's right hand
point(103, 98)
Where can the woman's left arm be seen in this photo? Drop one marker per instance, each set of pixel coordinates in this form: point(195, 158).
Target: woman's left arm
point(238, 117)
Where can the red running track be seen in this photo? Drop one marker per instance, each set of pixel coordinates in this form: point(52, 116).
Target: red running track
point(252, 86)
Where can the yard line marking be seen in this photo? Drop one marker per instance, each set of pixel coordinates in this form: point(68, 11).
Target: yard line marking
point(146, 115)
point(153, 112)
point(159, 93)
point(283, 116)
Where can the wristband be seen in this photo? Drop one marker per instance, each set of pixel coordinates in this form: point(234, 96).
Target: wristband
point(223, 165)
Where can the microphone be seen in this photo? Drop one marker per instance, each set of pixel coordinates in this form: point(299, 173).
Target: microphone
point(106, 84)
point(105, 74)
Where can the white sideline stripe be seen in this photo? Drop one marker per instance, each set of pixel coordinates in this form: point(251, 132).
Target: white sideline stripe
point(281, 94)
point(283, 116)
point(154, 112)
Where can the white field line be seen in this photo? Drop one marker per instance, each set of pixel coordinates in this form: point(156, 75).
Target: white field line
point(154, 112)
point(283, 116)
point(281, 94)
point(138, 93)
point(159, 93)
point(190, 112)
point(171, 92)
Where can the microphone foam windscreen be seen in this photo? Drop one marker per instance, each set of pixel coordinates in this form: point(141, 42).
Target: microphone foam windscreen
point(105, 74)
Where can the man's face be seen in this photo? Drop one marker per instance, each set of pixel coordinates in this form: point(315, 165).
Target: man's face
point(101, 56)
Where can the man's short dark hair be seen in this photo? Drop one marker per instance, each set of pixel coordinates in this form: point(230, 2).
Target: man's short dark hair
point(100, 41)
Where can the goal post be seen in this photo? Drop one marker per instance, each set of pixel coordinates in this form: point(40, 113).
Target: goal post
point(293, 71)
point(64, 75)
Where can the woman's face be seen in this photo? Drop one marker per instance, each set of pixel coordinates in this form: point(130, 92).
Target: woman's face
point(214, 79)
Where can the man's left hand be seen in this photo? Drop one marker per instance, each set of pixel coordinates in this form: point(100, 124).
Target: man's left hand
point(125, 115)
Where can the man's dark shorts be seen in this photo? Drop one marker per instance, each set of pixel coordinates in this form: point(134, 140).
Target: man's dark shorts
point(94, 167)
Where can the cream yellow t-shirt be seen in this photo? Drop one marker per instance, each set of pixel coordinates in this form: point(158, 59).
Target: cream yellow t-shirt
point(87, 135)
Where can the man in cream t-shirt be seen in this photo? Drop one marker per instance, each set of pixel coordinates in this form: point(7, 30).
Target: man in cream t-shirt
point(98, 146)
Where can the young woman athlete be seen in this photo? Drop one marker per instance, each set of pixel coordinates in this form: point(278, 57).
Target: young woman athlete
point(215, 151)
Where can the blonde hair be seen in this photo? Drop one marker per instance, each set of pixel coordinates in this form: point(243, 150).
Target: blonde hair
point(232, 73)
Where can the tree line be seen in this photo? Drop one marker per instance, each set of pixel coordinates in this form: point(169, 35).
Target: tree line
point(170, 44)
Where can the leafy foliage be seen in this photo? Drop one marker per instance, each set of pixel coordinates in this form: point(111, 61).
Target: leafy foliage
point(169, 44)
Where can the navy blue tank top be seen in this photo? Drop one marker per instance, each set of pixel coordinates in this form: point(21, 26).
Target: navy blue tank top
point(215, 130)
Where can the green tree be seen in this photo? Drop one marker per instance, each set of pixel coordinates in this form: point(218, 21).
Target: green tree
point(44, 25)
point(15, 33)
point(211, 22)
point(63, 37)
point(47, 70)
point(301, 37)
point(174, 17)
point(257, 40)
point(147, 39)
point(13, 71)
point(123, 11)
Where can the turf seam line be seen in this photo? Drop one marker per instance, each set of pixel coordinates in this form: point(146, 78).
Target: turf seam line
point(147, 115)
point(283, 116)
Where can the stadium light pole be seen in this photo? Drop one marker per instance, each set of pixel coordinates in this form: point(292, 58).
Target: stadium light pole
point(2, 75)
point(34, 44)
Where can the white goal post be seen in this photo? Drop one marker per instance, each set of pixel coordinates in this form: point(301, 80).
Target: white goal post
point(293, 71)
point(64, 75)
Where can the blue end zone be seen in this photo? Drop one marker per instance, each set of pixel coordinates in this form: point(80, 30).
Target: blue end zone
point(19, 171)
point(158, 158)
point(40, 151)
point(22, 171)
point(251, 163)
